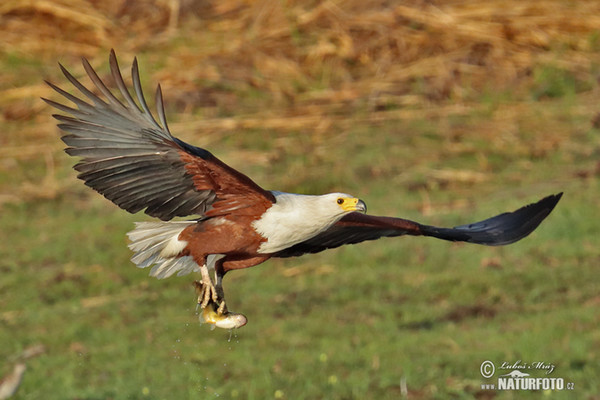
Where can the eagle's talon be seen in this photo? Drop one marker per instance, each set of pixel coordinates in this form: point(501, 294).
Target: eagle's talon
point(222, 308)
point(206, 293)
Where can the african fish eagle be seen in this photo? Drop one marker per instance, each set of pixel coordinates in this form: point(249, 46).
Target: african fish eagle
point(133, 160)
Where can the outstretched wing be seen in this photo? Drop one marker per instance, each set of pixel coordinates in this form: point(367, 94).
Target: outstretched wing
point(502, 229)
point(135, 162)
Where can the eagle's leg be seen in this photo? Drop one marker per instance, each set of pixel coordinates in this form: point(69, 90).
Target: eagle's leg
point(205, 289)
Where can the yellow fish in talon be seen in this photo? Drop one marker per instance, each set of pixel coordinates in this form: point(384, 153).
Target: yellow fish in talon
point(227, 320)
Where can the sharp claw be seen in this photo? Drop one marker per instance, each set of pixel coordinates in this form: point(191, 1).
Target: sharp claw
point(206, 297)
point(198, 287)
point(222, 308)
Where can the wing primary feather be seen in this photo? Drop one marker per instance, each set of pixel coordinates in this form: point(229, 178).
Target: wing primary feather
point(118, 78)
point(59, 106)
point(83, 106)
point(82, 129)
point(137, 87)
point(87, 93)
point(160, 108)
point(100, 85)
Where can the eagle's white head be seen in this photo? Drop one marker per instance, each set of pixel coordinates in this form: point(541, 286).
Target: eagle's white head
point(337, 204)
point(295, 218)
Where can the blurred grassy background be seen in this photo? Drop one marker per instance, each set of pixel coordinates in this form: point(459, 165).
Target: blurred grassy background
point(443, 112)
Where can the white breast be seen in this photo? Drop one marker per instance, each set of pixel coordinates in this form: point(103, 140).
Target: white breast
point(295, 218)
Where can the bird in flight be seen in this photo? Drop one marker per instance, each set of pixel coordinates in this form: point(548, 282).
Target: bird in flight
point(133, 160)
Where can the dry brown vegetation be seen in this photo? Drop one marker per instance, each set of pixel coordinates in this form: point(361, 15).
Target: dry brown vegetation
point(295, 65)
point(316, 54)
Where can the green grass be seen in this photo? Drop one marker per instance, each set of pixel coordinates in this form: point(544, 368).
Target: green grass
point(411, 309)
point(353, 323)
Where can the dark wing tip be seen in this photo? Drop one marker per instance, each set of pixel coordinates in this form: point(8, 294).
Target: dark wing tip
point(160, 108)
point(502, 229)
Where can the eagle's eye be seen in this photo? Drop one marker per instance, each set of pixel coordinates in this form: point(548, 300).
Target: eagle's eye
point(340, 201)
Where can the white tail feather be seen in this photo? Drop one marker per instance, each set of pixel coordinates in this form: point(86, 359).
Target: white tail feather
point(158, 244)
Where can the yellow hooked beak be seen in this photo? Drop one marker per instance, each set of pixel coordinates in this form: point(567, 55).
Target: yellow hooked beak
point(352, 204)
